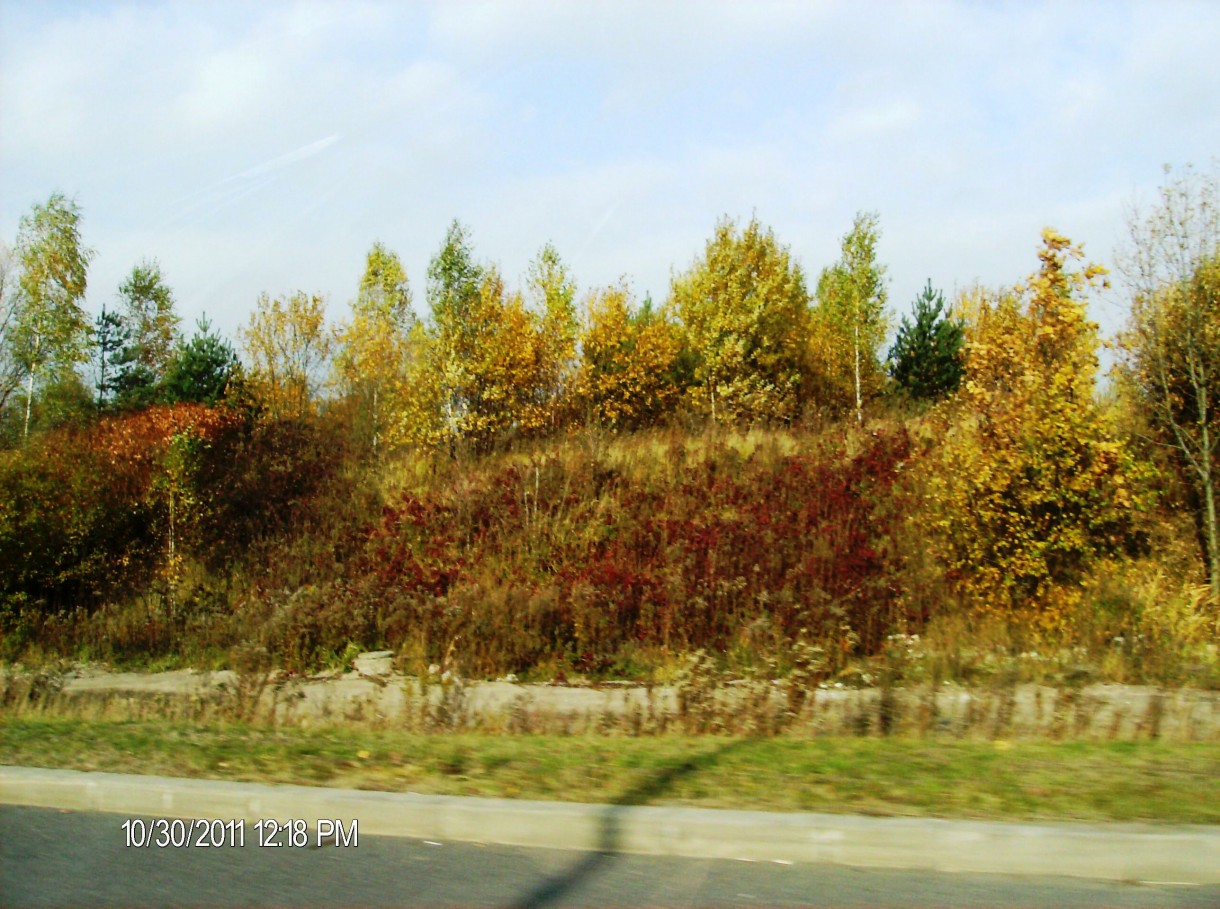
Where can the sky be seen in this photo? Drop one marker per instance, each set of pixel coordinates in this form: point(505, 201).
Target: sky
point(264, 147)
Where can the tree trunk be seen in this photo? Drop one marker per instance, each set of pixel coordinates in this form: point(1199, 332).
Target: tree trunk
point(101, 361)
point(1213, 539)
point(1207, 479)
point(173, 568)
point(859, 400)
point(29, 397)
point(376, 424)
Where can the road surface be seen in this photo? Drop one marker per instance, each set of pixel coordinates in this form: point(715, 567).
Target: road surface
point(51, 857)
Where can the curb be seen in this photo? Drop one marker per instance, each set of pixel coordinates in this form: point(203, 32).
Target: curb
point(1120, 852)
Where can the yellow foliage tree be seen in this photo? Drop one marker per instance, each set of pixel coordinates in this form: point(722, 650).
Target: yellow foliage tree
point(488, 365)
point(1172, 265)
point(504, 388)
point(287, 346)
point(374, 350)
point(554, 307)
point(744, 315)
point(1033, 487)
point(628, 360)
point(849, 320)
point(479, 384)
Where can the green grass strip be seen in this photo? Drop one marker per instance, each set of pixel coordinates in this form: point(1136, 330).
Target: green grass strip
point(1148, 781)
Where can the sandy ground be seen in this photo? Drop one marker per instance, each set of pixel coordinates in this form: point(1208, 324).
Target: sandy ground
point(1110, 712)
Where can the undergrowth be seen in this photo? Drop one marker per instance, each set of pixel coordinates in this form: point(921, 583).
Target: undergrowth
point(771, 555)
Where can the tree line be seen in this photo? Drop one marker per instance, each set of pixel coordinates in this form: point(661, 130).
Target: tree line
point(739, 339)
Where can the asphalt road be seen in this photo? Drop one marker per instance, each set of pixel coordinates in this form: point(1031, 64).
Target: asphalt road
point(51, 857)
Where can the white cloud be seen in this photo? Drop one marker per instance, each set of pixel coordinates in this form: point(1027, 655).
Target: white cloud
point(229, 89)
point(615, 29)
point(875, 123)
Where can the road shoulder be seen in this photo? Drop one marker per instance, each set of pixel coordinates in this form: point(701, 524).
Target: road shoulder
point(1120, 852)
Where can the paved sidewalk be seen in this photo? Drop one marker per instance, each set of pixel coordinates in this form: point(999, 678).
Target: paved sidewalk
point(1122, 852)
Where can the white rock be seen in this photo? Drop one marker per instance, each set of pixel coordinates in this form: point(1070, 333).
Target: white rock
point(376, 662)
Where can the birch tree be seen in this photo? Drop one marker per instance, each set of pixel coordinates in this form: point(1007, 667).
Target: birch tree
point(374, 348)
point(11, 372)
point(1033, 487)
point(744, 312)
point(487, 364)
point(455, 285)
point(1172, 268)
point(288, 346)
point(851, 298)
point(50, 330)
point(628, 361)
point(552, 293)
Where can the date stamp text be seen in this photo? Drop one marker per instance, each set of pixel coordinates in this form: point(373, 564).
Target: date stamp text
point(267, 833)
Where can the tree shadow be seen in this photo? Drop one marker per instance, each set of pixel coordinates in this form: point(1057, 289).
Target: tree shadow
point(552, 890)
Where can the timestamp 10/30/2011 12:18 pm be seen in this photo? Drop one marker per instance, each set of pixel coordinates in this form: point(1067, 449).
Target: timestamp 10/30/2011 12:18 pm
point(267, 833)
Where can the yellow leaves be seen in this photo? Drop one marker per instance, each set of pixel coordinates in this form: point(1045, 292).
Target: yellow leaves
point(371, 368)
point(1033, 486)
point(626, 371)
point(744, 315)
point(499, 370)
point(384, 294)
point(1053, 245)
point(287, 344)
point(1093, 271)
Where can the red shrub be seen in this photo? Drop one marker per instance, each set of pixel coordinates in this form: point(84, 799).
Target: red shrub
point(804, 542)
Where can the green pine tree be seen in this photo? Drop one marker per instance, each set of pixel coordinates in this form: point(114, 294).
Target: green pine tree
point(927, 357)
point(203, 368)
point(109, 338)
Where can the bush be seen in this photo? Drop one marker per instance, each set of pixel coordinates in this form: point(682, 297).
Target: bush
point(90, 513)
point(588, 559)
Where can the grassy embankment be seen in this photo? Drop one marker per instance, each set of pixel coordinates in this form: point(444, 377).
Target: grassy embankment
point(584, 556)
point(906, 777)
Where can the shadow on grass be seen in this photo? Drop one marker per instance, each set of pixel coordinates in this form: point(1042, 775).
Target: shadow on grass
point(609, 841)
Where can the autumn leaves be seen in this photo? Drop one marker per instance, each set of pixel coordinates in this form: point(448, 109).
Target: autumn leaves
point(740, 340)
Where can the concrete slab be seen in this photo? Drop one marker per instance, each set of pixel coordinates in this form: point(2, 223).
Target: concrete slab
point(373, 694)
